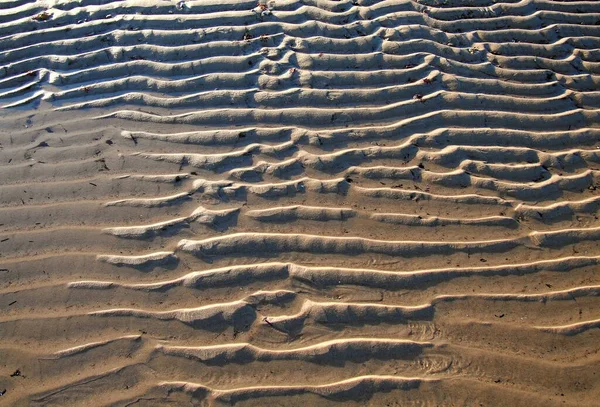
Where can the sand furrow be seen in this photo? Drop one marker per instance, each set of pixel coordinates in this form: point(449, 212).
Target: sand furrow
point(257, 243)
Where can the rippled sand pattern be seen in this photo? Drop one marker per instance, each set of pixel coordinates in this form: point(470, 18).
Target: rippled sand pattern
point(299, 203)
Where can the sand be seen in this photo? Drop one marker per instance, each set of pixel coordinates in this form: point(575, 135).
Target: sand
point(299, 203)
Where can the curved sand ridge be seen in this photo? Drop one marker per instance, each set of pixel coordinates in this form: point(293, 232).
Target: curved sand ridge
point(314, 202)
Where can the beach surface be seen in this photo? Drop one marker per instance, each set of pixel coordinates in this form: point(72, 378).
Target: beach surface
point(299, 203)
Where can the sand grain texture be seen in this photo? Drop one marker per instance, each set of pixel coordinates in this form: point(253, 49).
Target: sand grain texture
point(299, 202)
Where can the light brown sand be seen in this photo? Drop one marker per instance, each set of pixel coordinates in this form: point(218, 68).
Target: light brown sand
point(312, 203)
